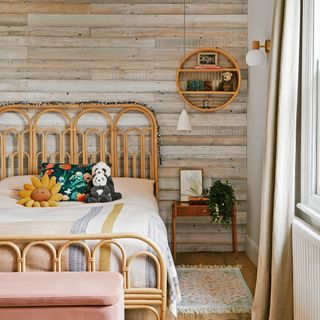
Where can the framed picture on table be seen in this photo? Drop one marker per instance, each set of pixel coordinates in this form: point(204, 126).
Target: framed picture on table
point(190, 183)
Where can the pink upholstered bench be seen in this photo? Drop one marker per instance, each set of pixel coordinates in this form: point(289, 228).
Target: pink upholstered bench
point(65, 295)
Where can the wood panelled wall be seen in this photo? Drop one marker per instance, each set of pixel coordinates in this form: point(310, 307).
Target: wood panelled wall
point(80, 50)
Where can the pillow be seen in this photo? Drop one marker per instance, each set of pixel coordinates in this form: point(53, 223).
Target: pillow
point(134, 186)
point(72, 177)
point(15, 182)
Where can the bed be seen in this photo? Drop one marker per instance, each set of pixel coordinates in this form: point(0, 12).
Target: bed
point(127, 235)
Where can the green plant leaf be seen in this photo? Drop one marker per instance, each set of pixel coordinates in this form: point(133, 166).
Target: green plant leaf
point(221, 198)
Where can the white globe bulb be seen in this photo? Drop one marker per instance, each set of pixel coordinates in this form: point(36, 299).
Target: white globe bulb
point(255, 58)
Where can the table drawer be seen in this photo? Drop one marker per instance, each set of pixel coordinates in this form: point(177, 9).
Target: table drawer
point(193, 210)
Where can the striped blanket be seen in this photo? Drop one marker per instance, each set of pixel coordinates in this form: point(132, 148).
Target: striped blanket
point(132, 216)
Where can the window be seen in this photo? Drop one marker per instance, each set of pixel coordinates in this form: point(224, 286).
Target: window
point(310, 127)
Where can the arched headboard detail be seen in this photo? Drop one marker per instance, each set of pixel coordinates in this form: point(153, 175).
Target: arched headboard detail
point(124, 134)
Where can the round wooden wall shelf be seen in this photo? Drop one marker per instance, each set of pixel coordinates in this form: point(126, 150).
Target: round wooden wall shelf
point(200, 82)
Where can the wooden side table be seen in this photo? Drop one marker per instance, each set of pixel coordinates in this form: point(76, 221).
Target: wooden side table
point(181, 208)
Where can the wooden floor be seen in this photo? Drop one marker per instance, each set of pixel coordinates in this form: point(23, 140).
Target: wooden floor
point(248, 269)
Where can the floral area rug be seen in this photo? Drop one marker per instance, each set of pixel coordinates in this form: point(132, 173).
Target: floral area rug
point(213, 292)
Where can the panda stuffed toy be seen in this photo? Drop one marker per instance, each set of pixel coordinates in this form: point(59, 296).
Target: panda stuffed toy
point(101, 188)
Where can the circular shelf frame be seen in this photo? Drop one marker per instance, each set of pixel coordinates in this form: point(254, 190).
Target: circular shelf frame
point(234, 68)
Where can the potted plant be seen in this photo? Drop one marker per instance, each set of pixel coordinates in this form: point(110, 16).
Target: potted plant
point(221, 199)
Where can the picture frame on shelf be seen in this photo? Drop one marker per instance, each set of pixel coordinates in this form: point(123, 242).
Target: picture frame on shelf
point(207, 59)
point(191, 182)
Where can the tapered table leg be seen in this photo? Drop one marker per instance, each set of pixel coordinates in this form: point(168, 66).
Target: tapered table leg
point(174, 216)
point(234, 229)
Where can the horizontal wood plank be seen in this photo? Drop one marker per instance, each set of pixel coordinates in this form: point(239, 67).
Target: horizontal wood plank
point(204, 140)
point(78, 42)
point(45, 74)
point(211, 172)
point(212, 247)
point(12, 19)
point(176, 21)
point(169, 8)
point(175, 194)
point(44, 31)
point(173, 183)
point(203, 238)
point(168, 32)
point(94, 20)
point(205, 152)
point(89, 86)
point(199, 119)
point(44, 8)
point(88, 53)
point(183, 228)
point(165, 207)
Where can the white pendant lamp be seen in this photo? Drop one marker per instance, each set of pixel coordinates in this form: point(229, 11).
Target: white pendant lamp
point(184, 121)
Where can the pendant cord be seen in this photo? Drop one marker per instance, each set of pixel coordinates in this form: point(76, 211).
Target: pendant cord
point(184, 29)
point(184, 38)
point(184, 121)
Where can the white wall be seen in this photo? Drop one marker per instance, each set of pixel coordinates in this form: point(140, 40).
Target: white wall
point(260, 14)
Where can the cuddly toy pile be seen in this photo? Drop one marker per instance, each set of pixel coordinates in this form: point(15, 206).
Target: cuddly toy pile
point(44, 192)
point(101, 187)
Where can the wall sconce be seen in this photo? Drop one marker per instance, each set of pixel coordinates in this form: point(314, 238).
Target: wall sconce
point(255, 57)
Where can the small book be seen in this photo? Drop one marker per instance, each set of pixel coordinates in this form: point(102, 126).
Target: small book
point(198, 200)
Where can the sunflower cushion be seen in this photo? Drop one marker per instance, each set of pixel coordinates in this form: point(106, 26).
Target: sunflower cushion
point(41, 193)
point(72, 177)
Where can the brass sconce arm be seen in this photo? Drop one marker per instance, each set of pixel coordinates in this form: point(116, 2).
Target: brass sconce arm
point(267, 45)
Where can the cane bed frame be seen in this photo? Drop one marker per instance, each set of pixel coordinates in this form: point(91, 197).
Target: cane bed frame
point(123, 134)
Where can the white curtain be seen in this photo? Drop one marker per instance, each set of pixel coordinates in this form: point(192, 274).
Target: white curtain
point(273, 296)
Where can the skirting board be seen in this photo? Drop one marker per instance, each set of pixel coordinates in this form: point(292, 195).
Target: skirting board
point(252, 250)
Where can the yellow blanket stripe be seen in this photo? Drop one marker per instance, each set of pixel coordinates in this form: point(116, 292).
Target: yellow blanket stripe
point(105, 250)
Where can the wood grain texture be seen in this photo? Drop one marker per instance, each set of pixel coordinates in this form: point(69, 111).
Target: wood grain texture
point(169, 8)
point(44, 8)
point(44, 31)
point(82, 50)
point(167, 32)
point(12, 19)
point(66, 42)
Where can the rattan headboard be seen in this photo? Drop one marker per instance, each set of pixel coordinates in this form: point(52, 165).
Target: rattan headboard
point(123, 134)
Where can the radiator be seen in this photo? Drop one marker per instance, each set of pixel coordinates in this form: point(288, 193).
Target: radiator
point(306, 271)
